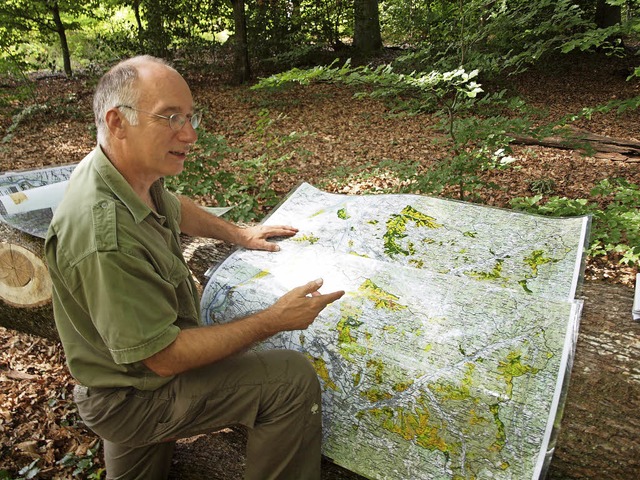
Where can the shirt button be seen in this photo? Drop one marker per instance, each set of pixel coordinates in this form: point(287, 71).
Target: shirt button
point(103, 204)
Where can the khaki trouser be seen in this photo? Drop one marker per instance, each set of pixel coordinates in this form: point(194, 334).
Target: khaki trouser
point(275, 394)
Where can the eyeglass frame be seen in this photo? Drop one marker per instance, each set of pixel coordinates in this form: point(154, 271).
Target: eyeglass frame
point(195, 118)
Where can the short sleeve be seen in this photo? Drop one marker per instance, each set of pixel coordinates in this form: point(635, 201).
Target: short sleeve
point(133, 305)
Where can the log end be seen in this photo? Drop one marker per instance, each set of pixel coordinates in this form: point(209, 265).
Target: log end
point(24, 277)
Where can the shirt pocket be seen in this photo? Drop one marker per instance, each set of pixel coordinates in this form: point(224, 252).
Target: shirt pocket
point(177, 274)
point(173, 270)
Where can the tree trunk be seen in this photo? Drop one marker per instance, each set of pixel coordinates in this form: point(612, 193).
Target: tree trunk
point(574, 139)
point(64, 45)
point(241, 67)
point(366, 27)
point(157, 41)
point(136, 11)
point(600, 431)
point(607, 15)
point(600, 413)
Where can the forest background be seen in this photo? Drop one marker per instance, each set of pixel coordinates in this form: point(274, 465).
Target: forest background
point(460, 99)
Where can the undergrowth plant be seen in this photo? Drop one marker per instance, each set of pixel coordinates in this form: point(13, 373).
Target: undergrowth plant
point(474, 131)
point(84, 466)
point(615, 227)
point(244, 184)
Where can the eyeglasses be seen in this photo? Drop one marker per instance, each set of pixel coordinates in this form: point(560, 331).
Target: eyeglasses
point(176, 120)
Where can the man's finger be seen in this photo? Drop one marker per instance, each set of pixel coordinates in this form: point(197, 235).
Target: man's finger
point(332, 297)
point(312, 286)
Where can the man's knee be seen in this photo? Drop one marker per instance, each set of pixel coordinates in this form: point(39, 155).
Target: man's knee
point(297, 367)
point(292, 378)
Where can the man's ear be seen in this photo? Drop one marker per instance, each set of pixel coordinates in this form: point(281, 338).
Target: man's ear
point(116, 123)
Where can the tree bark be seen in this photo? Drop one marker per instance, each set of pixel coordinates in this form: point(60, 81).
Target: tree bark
point(156, 38)
point(241, 67)
point(607, 15)
point(366, 28)
point(600, 431)
point(574, 139)
point(136, 10)
point(64, 45)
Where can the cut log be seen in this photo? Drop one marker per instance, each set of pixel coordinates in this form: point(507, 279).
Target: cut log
point(25, 285)
point(600, 431)
point(575, 139)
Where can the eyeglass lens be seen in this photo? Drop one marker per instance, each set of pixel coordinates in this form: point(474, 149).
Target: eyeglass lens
point(177, 120)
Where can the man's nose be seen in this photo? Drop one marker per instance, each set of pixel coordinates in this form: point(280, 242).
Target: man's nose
point(187, 133)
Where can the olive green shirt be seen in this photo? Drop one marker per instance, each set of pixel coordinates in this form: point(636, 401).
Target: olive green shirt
point(121, 288)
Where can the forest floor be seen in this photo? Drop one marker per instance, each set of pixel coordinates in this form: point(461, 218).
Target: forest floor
point(341, 144)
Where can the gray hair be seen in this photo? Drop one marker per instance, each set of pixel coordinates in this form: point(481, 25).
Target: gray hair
point(117, 87)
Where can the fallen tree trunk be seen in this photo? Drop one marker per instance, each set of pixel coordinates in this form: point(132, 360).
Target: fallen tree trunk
point(600, 429)
point(574, 139)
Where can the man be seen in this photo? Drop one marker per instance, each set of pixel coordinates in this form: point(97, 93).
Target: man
point(127, 309)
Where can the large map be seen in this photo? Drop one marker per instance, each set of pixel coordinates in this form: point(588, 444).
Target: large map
point(448, 356)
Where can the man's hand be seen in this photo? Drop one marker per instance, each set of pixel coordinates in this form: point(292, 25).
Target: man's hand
point(255, 238)
point(298, 308)
point(197, 222)
point(196, 347)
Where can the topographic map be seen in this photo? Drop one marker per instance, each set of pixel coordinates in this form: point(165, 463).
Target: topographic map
point(448, 355)
point(29, 198)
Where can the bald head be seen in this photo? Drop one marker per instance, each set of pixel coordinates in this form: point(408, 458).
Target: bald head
point(121, 86)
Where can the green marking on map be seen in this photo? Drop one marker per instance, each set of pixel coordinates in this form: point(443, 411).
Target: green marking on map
point(342, 214)
point(501, 436)
point(494, 274)
point(375, 394)
point(413, 425)
point(381, 298)
point(306, 238)
point(525, 287)
point(460, 391)
point(416, 263)
point(397, 226)
point(536, 259)
point(378, 369)
point(513, 367)
point(349, 321)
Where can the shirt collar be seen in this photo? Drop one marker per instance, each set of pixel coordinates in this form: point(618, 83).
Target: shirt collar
point(121, 189)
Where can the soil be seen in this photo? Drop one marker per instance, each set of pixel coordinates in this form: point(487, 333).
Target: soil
point(340, 143)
